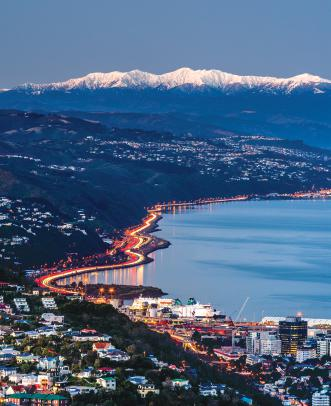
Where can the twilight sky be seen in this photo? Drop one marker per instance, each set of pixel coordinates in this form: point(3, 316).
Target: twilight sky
point(46, 40)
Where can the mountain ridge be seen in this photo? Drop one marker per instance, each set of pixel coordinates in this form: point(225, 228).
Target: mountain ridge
point(295, 108)
point(182, 77)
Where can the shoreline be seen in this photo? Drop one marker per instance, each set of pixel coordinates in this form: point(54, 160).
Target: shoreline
point(117, 292)
point(137, 242)
point(134, 240)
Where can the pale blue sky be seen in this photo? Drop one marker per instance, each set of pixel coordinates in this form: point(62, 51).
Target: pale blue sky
point(48, 40)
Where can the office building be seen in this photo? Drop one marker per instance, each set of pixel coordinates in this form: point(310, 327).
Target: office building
point(305, 353)
point(292, 333)
point(263, 343)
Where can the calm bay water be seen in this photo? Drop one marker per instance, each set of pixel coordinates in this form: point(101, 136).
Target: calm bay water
point(276, 252)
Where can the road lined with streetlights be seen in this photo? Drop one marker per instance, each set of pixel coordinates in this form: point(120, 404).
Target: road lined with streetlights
point(133, 241)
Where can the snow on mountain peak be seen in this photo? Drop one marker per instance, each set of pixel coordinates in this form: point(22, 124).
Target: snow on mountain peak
point(180, 77)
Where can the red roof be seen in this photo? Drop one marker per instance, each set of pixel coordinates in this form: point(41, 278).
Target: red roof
point(18, 388)
point(100, 346)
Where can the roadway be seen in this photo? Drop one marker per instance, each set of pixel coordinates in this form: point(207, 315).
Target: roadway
point(133, 241)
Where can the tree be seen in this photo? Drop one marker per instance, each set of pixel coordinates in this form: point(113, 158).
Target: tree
point(97, 363)
point(196, 336)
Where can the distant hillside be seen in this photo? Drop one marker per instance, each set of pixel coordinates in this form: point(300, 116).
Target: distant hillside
point(113, 173)
point(292, 108)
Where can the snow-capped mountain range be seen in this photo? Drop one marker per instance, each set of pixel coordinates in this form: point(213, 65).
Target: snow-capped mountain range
point(188, 100)
point(184, 77)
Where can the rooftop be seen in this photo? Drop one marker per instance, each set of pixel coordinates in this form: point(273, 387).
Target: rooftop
point(41, 396)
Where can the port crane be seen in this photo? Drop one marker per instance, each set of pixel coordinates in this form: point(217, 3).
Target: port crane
point(237, 319)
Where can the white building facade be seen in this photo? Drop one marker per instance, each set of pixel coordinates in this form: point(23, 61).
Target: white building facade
point(320, 399)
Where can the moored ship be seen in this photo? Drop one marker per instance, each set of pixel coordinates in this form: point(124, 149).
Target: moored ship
point(154, 307)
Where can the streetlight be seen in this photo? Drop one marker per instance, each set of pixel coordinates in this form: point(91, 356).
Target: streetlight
point(111, 291)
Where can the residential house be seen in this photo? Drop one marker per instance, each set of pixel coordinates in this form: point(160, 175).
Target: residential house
point(147, 388)
point(47, 363)
point(7, 371)
point(180, 383)
point(74, 390)
point(89, 335)
point(102, 346)
point(49, 303)
point(21, 304)
point(26, 357)
point(116, 355)
point(86, 373)
point(36, 399)
point(208, 390)
point(51, 318)
point(7, 357)
point(107, 382)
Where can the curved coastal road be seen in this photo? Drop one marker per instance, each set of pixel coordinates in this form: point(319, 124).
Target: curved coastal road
point(133, 241)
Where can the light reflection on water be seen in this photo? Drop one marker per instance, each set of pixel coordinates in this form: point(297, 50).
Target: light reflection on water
point(276, 252)
point(125, 276)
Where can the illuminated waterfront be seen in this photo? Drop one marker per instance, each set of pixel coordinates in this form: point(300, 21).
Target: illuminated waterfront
point(276, 252)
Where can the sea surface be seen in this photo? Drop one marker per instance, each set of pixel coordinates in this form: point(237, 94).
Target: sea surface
point(277, 253)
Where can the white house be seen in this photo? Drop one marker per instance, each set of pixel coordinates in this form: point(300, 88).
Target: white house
point(49, 303)
point(50, 318)
point(64, 370)
point(147, 388)
point(86, 373)
point(21, 304)
point(107, 382)
point(74, 390)
point(28, 379)
point(48, 363)
point(90, 335)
